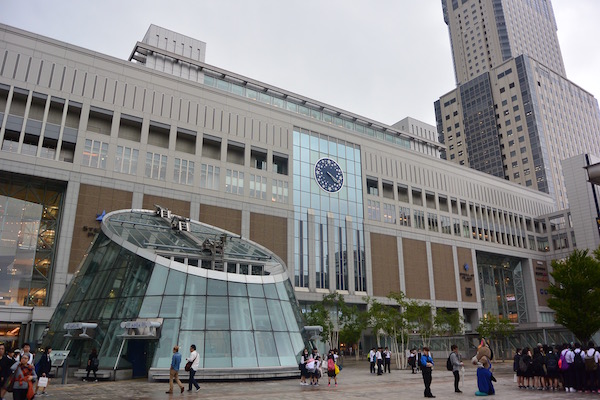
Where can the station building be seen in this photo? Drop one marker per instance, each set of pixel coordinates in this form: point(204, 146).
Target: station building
point(348, 204)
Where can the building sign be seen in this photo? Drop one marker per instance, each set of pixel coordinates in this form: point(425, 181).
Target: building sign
point(142, 328)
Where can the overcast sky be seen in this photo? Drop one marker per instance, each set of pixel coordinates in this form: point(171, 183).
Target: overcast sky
point(382, 59)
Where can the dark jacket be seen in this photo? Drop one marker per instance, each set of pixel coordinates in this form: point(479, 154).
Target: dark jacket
point(44, 365)
point(5, 364)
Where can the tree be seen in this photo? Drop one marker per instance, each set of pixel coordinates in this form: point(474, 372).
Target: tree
point(353, 322)
point(576, 293)
point(496, 328)
point(386, 320)
point(447, 323)
point(419, 317)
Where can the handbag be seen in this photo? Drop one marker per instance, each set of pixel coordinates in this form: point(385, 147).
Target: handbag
point(188, 365)
point(10, 383)
point(43, 381)
point(337, 369)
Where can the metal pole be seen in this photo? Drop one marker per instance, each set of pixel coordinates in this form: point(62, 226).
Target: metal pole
point(65, 368)
point(119, 356)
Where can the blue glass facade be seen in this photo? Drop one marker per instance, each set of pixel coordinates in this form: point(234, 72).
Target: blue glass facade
point(334, 238)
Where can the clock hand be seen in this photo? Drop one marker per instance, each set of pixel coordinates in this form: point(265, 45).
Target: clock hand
point(332, 177)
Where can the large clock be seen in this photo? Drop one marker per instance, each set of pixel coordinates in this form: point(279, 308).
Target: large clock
point(329, 175)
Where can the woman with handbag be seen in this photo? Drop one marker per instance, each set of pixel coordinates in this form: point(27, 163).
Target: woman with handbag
point(23, 378)
point(42, 370)
point(192, 366)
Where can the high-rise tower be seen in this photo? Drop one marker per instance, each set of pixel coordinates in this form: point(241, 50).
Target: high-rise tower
point(514, 113)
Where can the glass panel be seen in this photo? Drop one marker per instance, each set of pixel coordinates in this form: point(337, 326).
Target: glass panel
point(171, 307)
point(276, 315)
point(196, 285)
point(264, 347)
point(217, 349)
point(260, 315)
point(150, 307)
point(168, 339)
point(240, 313)
point(158, 281)
point(281, 291)
point(288, 314)
point(270, 291)
point(128, 307)
point(188, 338)
point(287, 356)
point(194, 310)
point(176, 283)
point(244, 350)
point(255, 290)
point(237, 289)
point(216, 287)
point(217, 313)
point(297, 342)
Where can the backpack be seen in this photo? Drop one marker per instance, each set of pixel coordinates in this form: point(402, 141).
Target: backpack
point(449, 365)
point(523, 365)
point(330, 365)
point(577, 360)
point(564, 365)
point(551, 362)
point(590, 362)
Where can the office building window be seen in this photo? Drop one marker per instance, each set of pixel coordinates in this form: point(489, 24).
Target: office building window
point(419, 219)
point(94, 154)
point(257, 186)
point(183, 172)
point(404, 216)
point(373, 210)
point(156, 166)
point(234, 182)
point(126, 160)
point(209, 176)
point(389, 213)
point(279, 191)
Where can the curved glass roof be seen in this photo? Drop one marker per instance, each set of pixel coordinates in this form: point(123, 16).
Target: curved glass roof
point(176, 237)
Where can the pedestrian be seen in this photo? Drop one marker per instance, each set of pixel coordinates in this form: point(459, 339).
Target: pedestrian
point(577, 368)
point(318, 373)
point(552, 371)
point(25, 377)
point(426, 364)
point(193, 358)
point(457, 364)
point(564, 367)
point(538, 369)
point(387, 360)
point(6, 361)
point(92, 365)
point(26, 350)
point(331, 368)
point(42, 370)
point(379, 358)
point(372, 360)
point(526, 366)
point(174, 370)
point(303, 371)
point(412, 360)
point(591, 357)
point(516, 369)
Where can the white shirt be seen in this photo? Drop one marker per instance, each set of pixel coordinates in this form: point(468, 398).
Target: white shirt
point(371, 356)
point(194, 359)
point(594, 353)
point(378, 355)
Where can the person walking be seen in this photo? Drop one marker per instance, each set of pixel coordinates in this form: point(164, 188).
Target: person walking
point(27, 351)
point(379, 358)
point(193, 358)
point(302, 365)
point(412, 360)
point(92, 365)
point(42, 370)
point(25, 377)
point(387, 360)
point(372, 360)
point(174, 370)
point(5, 363)
point(457, 364)
point(331, 368)
point(426, 364)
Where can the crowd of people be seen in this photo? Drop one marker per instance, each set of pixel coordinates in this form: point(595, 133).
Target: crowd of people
point(569, 367)
point(19, 375)
point(312, 367)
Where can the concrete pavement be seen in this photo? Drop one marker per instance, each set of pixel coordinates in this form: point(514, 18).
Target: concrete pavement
point(354, 382)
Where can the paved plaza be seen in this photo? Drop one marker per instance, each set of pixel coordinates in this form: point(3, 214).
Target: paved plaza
point(355, 382)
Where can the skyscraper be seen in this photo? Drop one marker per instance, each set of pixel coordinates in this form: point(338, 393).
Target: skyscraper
point(514, 114)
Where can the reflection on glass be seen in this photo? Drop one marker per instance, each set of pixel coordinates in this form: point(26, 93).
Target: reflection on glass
point(196, 285)
point(265, 346)
point(175, 283)
point(284, 348)
point(168, 339)
point(277, 319)
point(194, 309)
point(244, 352)
point(158, 281)
point(188, 338)
point(217, 313)
point(260, 315)
point(150, 307)
point(240, 313)
point(217, 350)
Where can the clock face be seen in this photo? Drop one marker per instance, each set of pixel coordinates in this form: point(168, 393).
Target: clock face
point(329, 175)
